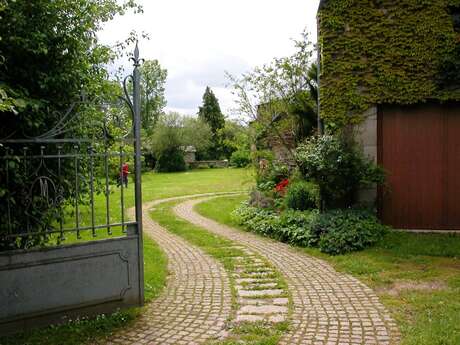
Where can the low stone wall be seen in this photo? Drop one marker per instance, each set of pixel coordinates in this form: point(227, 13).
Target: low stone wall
point(208, 164)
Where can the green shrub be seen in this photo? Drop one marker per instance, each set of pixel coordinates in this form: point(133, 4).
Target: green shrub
point(278, 172)
point(240, 158)
point(338, 166)
point(171, 160)
point(302, 195)
point(291, 226)
point(343, 231)
point(267, 186)
point(258, 155)
point(334, 232)
point(262, 221)
point(295, 227)
point(275, 172)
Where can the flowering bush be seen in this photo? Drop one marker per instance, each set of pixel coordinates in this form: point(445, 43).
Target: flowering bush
point(338, 167)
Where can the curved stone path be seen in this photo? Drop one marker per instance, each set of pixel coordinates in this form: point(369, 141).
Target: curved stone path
point(329, 308)
point(195, 303)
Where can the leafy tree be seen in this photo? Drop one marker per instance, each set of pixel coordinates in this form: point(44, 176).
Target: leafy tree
point(196, 133)
point(153, 79)
point(234, 136)
point(49, 54)
point(172, 134)
point(281, 96)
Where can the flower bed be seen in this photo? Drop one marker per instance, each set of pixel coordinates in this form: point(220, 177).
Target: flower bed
point(334, 232)
point(286, 202)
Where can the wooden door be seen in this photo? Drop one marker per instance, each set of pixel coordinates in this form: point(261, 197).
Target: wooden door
point(419, 147)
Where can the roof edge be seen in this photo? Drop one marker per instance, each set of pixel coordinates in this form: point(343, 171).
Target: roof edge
point(321, 5)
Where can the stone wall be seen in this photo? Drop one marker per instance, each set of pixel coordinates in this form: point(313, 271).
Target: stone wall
point(366, 136)
point(208, 164)
point(189, 157)
point(283, 148)
point(189, 154)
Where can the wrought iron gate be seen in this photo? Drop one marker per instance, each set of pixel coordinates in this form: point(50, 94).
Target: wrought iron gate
point(67, 246)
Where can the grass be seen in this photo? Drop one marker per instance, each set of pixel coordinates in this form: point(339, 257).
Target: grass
point(417, 277)
point(74, 333)
point(158, 186)
point(223, 250)
point(155, 186)
point(155, 269)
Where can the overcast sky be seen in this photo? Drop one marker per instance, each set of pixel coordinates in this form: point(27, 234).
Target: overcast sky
point(198, 40)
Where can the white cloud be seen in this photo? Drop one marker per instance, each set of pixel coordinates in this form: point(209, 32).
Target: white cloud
point(197, 41)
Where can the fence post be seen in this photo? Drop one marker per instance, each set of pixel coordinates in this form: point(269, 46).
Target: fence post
point(138, 166)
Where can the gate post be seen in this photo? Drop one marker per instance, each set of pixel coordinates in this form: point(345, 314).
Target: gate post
point(138, 166)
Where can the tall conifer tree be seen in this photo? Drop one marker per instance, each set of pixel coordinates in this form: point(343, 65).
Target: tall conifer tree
point(210, 112)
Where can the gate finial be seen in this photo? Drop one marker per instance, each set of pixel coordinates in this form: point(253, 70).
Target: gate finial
point(136, 60)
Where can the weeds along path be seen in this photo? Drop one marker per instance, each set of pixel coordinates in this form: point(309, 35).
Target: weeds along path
point(328, 307)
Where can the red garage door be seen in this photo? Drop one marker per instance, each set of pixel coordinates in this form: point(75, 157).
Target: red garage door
point(419, 147)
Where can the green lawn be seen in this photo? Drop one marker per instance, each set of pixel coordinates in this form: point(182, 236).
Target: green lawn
point(417, 276)
point(154, 186)
point(158, 186)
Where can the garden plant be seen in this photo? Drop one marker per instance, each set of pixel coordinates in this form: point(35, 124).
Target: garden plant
point(316, 203)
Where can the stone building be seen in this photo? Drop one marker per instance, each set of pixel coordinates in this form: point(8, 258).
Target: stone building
point(391, 70)
point(189, 154)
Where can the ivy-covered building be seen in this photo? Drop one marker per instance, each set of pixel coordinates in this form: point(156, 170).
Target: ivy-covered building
point(391, 70)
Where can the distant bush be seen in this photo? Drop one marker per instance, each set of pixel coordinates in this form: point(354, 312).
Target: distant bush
point(171, 160)
point(240, 158)
point(334, 232)
point(172, 133)
point(302, 196)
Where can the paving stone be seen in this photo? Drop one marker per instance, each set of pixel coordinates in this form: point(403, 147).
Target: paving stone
point(281, 301)
point(260, 293)
point(277, 318)
point(254, 301)
point(263, 309)
point(246, 280)
point(248, 318)
point(262, 286)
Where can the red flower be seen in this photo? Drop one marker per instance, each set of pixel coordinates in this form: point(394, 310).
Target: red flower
point(281, 187)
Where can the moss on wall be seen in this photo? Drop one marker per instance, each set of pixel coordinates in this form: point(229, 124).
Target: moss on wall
point(386, 51)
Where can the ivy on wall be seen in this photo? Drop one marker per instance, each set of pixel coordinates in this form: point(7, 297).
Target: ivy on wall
point(386, 51)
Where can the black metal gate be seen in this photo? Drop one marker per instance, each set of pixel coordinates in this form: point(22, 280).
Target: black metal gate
point(68, 247)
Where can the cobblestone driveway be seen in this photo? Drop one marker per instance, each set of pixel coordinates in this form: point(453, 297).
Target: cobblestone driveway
point(195, 303)
point(330, 308)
